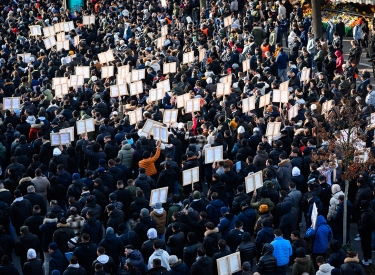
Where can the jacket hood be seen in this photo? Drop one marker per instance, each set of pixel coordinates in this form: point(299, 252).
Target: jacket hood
point(159, 252)
point(77, 183)
point(286, 207)
point(262, 153)
point(135, 255)
point(18, 152)
point(284, 162)
point(204, 261)
point(103, 259)
point(111, 238)
point(296, 172)
point(142, 176)
point(326, 268)
point(208, 232)
point(320, 220)
point(57, 255)
point(126, 146)
point(303, 261)
point(338, 53)
point(217, 203)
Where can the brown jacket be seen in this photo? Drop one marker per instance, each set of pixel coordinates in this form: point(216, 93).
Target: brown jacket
point(160, 220)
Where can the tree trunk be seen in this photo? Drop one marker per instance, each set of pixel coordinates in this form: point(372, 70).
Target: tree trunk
point(316, 18)
point(345, 218)
point(202, 4)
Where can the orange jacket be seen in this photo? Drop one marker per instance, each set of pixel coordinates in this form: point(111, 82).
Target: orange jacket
point(149, 164)
point(264, 50)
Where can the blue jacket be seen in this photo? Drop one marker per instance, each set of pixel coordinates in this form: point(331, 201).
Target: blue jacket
point(227, 224)
point(57, 262)
point(304, 38)
point(265, 235)
point(282, 250)
point(282, 61)
point(283, 27)
point(213, 211)
point(248, 218)
point(323, 235)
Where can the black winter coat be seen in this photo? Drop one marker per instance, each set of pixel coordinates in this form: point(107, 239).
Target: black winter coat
point(141, 228)
point(158, 271)
point(146, 183)
point(86, 254)
point(33, 267)
point(202, 266)
point(176, 244)
point(75, 271)
point(267, 265)
point(248, 251)
point(190, 253)
point(19, 212)
point(24, 243)
point(116, 217)
point(113, 247)
point(210, 241)
point(138, 204)
point(94, 229)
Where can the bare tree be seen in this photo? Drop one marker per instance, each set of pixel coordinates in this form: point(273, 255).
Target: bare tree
point(344, 146)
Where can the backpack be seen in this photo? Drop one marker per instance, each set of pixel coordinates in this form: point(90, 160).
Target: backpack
point(350, 269)
point(255, 14)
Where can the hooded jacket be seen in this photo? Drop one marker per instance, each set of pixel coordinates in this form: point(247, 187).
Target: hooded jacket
point(267, 264)
point(116, 217)
point(227, 224)
point(160, 218)
point(213, 211)
point(113, 247)
point(141, 228)
point(162, 255)
point(62, 235)
point(94, 229)
point(86, 254)
point(284, 173)
point(137, 259)
point(19, 212)
point(57, 262)
point(333, 203)
point(108, 263)
point(302, 265)
point(325, 269)
point(323, 235)
point(125, 154)
point(24, 243)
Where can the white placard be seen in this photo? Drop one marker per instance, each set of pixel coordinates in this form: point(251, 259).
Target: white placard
point(60, 37)
point(118, 90)
point(160, 133)
point(170, 116)
point(193, 105)
point(83, 70)
point(213, 154)
point(265, 100)
point(76, 80)
point(158, 195)
point(62, 45)
point(61, 89)
point(181, 100)
point(35, 30)
point(49, 42)
point(164, 30)
point(293, 111)
point(246, 65)
point(123, 71)
point(229, 264)
point(11, 103)
point(69, 130)
point(88, 20)
point(228, 21)
point(284, 86)
point(227, 79)
point(156, 94)
point(273, 129)
point(25, 57)
point(169, 68)
point(58, 81)
point(147, 127)
point(253, 181)
point(60, 138)
point(326, 106)
point(190, 176)
point(85, 126)
point(135, 116)
point(136, 88)
point(188, 57)
point(165, 85)
point(107, 71)
point(305, 74)
point(280, 96)
point(223, 89)
point(248, 104)
point(202, 54)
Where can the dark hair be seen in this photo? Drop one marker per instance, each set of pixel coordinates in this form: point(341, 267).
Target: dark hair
point(222, 243)
point(278, 232)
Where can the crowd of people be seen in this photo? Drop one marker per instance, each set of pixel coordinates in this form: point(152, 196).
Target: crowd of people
point(83, 208)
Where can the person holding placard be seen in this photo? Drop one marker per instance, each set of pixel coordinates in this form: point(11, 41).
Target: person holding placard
point(148, 162)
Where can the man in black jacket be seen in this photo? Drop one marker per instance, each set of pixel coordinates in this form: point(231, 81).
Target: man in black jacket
point(157, 269)
point(223, 251)
point(35, 199)
point(108, 263)
point(234, 237)
point(20, 210)
point(25, 242)
point(144, 224)
point(85, 252)
point(176, 241)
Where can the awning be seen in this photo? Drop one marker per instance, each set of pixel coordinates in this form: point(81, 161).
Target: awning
point(366, 2)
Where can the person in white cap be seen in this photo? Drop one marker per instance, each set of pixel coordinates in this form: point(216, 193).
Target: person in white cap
point(33, 266)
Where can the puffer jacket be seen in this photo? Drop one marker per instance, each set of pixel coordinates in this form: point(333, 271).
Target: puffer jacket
point(302, 265)
point(94, 229)
point(325, 269)
point(227, 224)
point(94, 207)
point(86, 254)
point(19, 212)
point(267, 264)
point(113, 247)
point(213, 211)
point(248, 251)
point(137, 259)
point(125, 154)
point(260, 159)
point(323, 235)
point(210, 241)
point(333, 203)
point(351, 264)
